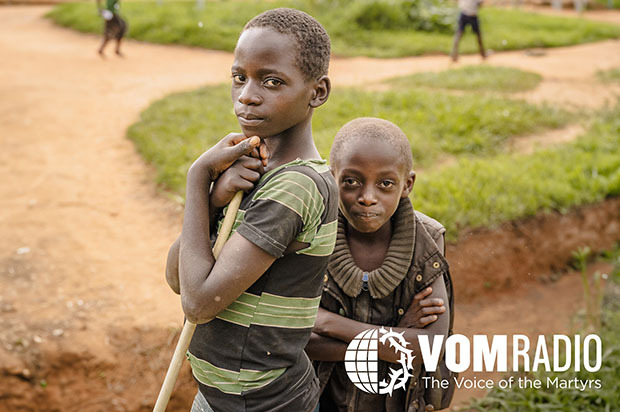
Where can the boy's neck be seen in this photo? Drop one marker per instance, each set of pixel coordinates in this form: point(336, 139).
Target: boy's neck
point(294, 143)
point(369, 249)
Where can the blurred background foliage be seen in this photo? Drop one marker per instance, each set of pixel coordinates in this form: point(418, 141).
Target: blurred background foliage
point(377, 28)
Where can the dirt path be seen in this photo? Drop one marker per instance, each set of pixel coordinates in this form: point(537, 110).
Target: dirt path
point(85, 233)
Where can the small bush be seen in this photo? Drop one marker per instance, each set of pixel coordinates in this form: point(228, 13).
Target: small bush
point(609, 76)
point(422, 15)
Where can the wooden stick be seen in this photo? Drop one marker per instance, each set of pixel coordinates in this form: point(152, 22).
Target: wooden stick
point(188, 328)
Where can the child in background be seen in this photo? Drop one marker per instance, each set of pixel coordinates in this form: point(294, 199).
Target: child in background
point(256, 305)
point(115, 27)
point(468, 16)
point(387, 256)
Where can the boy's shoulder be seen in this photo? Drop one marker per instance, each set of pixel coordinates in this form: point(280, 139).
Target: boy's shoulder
point(308, 181)
point(310, 167)
point(435, 229)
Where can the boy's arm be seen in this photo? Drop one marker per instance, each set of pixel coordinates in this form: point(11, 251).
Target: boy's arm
point(422, 311)
point(208, 287)
point(322, 348)
point(172, 266)
point(344, 329)
point(242, 175)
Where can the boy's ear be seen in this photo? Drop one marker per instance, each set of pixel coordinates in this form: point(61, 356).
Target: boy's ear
point(323, 87)
point(408, 184)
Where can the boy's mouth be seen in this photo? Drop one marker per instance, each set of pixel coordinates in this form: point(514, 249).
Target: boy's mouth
point(248, 119)
point(366, 215)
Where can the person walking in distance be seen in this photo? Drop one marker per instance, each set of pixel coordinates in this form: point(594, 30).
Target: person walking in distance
point(114, 27)
point(468, 16)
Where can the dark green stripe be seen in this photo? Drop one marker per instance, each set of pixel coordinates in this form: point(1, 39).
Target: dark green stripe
point(228, 381)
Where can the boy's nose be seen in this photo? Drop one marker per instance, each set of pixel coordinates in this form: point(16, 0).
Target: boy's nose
point(249, 95)
point(367, 197)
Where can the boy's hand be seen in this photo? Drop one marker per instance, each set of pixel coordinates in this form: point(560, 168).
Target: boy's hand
point(242, 175)
point(220, 157)
point(422, 311)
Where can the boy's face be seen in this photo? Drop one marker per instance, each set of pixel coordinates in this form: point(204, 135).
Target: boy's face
point(371, 181)
point(269, 92)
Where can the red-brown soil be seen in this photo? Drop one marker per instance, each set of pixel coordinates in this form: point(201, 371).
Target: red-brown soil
point(86, 320)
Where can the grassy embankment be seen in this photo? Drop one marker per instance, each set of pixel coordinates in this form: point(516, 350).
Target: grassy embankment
point(217, 26)
point(175, 130)
point(484, 187)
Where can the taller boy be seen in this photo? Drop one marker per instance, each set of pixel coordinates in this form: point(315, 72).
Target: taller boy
point(255, 307)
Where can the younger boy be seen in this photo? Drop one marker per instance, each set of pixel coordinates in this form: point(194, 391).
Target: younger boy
point(385, 254)
point(256, 305)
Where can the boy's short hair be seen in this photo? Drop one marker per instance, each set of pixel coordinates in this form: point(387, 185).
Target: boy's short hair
point(312, 39)
point(372, 128)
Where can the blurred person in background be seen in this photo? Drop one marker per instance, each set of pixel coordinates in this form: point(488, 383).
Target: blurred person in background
point(114, 28)
point(468, 15)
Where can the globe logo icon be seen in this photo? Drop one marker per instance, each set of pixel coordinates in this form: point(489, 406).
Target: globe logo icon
point(361, 361)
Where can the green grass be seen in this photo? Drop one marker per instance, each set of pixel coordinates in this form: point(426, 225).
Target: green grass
point(485, 192)
point(607, 398)
point(478, 78)
point(615, 4)
point(177, 129)
point(609, 76)
point(178, 23)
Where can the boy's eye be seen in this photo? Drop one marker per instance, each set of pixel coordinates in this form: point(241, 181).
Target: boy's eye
point(349, 181)
point(238, 78)
point(386, 184)
point(273, 82)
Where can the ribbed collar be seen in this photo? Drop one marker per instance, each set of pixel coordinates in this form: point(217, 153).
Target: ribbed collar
point(383, 280)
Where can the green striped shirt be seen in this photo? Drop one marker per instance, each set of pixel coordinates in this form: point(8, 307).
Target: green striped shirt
point(252, 352)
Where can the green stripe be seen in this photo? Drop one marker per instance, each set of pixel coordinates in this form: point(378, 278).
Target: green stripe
point(284, 321)
point(257, 379)
point(248, 298)
point(288, 302)
point(265, 309)
point(235, 317)
point(296, 191)
point(323, 242)
point(285, 312)
point(241, 311)
point(228, 381)
point(271, 310)
point(319, 165)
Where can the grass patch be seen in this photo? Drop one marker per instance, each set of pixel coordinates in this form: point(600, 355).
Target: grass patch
point(609, 76)
point(484, 192)
point(607, 398)
point(178, 23)
point(615, 4)
point(174, 131)
point(478, 78)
